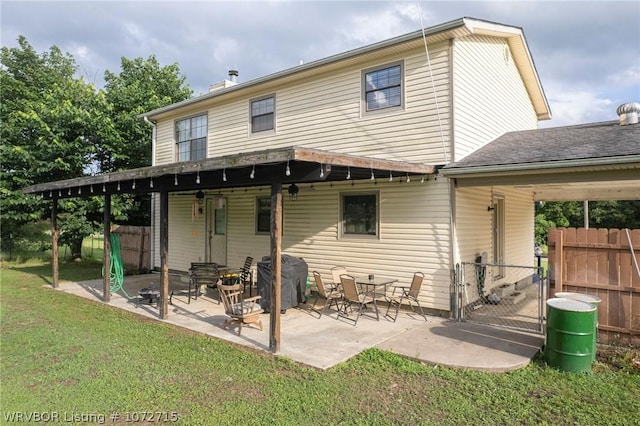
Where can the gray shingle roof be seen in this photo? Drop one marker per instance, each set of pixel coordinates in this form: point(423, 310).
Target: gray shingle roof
point(580, 142)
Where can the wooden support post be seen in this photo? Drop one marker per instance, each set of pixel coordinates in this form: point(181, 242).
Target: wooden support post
point(164, 254)
point(140, 249)
point(106, 262)
point(558, 267)
point(55, 232)
point(276, 266)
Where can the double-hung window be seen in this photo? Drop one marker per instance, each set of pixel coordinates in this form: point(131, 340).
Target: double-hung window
point(263, 114)
point(191, 136)
point(360, 214)
point(383, 87)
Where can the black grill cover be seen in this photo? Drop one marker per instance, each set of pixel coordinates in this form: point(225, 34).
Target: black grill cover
point(293, 282)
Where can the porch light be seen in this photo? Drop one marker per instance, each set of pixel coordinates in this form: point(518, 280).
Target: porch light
point(390, 177)
point(408, 178)
point(293, 192)
point(288, 171)
point(200, 196)
point(118, 185)
point(224, 175)
point(348, 172)
point(175, 179)
point(253, 172)
point(198, 178)
point(321, 172)
point(133, 185)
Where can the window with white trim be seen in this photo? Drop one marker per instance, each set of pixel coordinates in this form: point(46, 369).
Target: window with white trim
point(359, 214)
point(191, 137)
point(382, 87)
point(263, 114)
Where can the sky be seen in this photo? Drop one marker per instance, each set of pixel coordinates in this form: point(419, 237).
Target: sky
point(587, 54)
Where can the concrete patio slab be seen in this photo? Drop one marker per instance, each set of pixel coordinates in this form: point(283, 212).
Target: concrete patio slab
point(325, 342)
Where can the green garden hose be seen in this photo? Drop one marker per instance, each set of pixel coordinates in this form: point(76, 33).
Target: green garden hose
point(116, 273)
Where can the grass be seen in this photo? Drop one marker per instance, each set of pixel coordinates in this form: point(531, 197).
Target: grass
point(66, 354)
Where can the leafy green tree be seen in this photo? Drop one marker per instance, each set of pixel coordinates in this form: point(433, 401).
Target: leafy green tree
point(45, 114)
point(141, 86)
point(602, 214)
point(55, 126)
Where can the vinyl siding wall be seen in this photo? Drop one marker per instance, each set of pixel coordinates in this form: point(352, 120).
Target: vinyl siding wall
point(414, 233)
point(326, 113)
point(489, 97)
point(474, 227)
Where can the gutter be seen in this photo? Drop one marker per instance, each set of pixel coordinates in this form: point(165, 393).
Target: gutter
point(500, 169)
point(153, 194)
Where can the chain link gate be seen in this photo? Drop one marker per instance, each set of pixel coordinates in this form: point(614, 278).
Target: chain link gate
point(509, 296)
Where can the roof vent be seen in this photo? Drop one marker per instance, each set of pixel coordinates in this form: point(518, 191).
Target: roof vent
point(233, 75)
point(628, 113)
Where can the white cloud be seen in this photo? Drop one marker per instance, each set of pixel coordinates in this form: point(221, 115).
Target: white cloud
point(576, 107)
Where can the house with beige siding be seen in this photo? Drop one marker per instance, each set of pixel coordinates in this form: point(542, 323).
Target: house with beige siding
point(347, 160)
point(416, 102)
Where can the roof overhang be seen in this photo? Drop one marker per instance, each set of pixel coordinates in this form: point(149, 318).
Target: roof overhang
point(609, 178)
point(257, 168)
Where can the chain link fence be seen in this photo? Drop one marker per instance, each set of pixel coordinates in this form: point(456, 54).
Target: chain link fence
point(502, 295)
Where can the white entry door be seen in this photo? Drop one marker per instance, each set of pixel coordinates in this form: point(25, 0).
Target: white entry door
point(217, 230)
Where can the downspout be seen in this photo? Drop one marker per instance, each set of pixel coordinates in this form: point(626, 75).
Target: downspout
point(453, 247)
point(153, 194)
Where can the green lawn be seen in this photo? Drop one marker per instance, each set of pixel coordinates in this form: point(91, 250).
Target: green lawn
point(79, 358)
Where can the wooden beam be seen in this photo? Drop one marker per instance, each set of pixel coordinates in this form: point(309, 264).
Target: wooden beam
point(335, 159)
point(276, 265)
point(55, 232)
point(106, 263)
point(164, 254)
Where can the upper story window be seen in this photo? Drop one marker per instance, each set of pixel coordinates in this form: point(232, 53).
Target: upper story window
point(263, 114)
point(191, 136)
point(360, 214)
point(383, 87)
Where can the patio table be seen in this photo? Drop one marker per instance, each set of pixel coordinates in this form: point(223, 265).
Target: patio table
point(372, 282)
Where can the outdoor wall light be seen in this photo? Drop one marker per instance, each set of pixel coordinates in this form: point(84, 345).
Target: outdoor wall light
point(293, 192)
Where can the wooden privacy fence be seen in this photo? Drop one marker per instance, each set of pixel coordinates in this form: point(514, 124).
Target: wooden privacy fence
point(602, 263)
point(135, 245)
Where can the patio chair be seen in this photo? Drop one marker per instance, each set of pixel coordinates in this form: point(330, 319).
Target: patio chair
point(201, 275)
point(242, 311)
point(353, 297)
point(336, 271)
point(331, 296)
point(408, 293)
point(246, 275)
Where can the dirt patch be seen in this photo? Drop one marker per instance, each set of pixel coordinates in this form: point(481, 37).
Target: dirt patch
point(619, 358)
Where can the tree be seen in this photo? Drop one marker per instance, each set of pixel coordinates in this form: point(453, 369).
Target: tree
point(55, 126)
point(142, 85)
point(45, 115)
point(602, 214)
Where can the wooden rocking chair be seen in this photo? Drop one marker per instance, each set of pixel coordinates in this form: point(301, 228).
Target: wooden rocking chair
point(242, 311)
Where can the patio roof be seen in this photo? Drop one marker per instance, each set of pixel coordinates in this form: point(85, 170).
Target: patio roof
point(256, 168)
point(594, 161)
